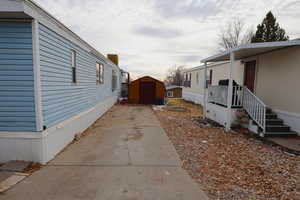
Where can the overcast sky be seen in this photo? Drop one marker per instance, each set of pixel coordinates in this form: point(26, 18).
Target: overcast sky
point(152, 35)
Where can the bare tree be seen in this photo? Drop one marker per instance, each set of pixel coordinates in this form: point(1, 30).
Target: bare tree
point(234, 34)
point(174, 76)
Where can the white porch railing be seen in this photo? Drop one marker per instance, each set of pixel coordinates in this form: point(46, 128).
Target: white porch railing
point(241, 97)
point(218, 94)
point(255, 108)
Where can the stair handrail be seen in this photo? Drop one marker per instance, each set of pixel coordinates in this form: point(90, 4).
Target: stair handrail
point(255, 108)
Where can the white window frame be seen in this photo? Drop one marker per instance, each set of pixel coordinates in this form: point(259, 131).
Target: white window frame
point(99, 73)
point(170, 93)
point(73, 66)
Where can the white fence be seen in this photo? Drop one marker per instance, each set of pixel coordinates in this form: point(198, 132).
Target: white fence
point(241, 97)
point(219, 94)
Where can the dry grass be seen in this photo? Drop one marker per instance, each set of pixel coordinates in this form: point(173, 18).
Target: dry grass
point(193, 110)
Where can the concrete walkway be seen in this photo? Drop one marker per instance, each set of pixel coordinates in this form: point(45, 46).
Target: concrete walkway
point(126, 156)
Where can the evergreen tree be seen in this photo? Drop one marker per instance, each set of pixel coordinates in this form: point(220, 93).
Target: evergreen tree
point(269, 30)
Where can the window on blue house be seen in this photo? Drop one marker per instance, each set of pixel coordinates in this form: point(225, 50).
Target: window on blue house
point(73, 63)
point(99, 73)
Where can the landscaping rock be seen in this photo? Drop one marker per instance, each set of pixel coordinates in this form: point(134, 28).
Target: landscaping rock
point(231, 165)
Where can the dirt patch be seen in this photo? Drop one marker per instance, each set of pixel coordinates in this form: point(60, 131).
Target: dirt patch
point(139, 108)
point(231, 165)
point(178, 109)
point(206, 122)
point(32, 167)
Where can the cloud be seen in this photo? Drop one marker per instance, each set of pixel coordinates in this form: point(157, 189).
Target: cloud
point(151, 36)
point(159, 32)
point(291, 9)
point(188, 8)
point(190, 58)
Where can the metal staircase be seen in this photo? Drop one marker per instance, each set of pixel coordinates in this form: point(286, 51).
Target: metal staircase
point(267, 121)
point(275, 125)
point(263, 117)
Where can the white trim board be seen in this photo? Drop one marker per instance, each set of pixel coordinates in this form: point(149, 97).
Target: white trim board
point(290, 119)
point(37, 75)
point(43, 146)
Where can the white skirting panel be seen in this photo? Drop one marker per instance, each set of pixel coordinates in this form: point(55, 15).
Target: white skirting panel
point(290, 119)
point(43, 146)
point(193, 97)
point(219, 113)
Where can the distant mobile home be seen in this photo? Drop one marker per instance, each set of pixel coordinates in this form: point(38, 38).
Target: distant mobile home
point(53, 84)
point(173, 91)
point(196, 83)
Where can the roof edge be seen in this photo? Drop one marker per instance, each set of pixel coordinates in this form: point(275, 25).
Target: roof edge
point(213, 64)
point(252, 46)
point(43, 12)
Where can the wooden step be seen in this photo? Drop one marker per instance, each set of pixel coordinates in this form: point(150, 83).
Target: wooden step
point(277, 128)
point(271, 116)
point(290, 133)
point(274, 122)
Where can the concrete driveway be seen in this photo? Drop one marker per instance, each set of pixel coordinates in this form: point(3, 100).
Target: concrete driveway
point(125, 156)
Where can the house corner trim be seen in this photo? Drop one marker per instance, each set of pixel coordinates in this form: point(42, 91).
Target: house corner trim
point(37, 77)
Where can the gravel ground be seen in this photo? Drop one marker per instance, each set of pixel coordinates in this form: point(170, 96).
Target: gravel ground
point(230, 165)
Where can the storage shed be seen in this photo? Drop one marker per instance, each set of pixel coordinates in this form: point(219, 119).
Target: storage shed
point(146, 90)
point(174, 91)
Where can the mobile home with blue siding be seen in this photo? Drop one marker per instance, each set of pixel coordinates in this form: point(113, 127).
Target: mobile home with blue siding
point(53, 84)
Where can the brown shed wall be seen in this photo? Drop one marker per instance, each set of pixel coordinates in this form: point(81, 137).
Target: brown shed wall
point(134, 89)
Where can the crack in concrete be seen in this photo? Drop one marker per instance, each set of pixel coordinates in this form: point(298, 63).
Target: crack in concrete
point(128, 152)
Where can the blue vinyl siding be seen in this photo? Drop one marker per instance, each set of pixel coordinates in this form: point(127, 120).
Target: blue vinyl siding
point(17, 109)
point(62, 99)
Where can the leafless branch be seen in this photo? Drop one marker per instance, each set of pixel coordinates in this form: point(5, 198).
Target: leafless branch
point(174, 75)
point(234, 34)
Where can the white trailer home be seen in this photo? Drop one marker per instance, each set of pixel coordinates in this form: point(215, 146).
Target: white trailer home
point(269, 92)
